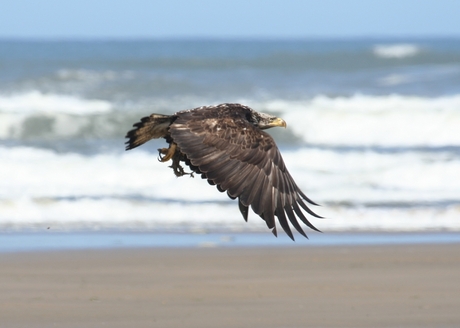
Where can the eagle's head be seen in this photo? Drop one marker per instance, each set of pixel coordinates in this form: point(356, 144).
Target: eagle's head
point(265, 121)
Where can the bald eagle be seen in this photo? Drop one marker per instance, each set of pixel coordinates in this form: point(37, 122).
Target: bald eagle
point(226, 145)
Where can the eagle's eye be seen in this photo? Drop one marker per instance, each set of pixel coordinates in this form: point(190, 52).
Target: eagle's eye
point(251, 119)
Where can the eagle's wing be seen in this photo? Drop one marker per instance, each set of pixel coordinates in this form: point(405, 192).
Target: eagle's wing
point(244, 161)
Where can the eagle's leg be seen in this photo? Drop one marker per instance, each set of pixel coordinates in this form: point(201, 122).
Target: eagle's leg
point(167, 153)
point(177, 168)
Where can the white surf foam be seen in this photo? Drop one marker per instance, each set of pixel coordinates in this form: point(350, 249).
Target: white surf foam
point(359, 120)
point(369, 177)
point(63, 115)
point(33, 102)
point(363, 120)
point(117, 214)
point(133, 190)
point(398, 50)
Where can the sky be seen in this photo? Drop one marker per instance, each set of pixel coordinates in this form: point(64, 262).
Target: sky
point(131, 19)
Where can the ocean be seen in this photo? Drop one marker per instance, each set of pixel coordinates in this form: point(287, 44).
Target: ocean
point(373, 131)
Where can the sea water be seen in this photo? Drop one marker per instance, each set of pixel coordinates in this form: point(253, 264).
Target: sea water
point(373, 131)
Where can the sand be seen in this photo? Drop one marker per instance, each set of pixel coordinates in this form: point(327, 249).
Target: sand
point(359, 286)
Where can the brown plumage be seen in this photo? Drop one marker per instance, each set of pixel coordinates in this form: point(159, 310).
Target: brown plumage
point(226, 144)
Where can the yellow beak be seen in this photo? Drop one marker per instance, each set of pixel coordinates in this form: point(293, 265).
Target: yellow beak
point(278, 122)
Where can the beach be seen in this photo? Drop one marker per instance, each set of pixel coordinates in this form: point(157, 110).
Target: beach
point(340, 286)
point(92, 235)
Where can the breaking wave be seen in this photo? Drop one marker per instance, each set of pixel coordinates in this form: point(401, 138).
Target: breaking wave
point(383, 121)
point(35, 102)
point(36, 114)
point(361, 190)
point(398, 50)
point(359, 120)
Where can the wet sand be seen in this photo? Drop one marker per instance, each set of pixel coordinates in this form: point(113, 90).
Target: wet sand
point(359, 286)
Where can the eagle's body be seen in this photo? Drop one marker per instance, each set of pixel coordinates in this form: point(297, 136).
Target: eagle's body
point(226, 144)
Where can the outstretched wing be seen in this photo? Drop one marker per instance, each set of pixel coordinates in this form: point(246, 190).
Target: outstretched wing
point(244, 161)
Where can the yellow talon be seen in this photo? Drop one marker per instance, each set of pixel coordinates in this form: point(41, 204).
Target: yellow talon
point(167, 152)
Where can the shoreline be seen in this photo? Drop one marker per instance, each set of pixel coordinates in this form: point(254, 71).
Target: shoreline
point(338, 286)
point(11, 242)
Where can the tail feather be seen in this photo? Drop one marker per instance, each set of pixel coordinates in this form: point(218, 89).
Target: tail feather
point(151, 127)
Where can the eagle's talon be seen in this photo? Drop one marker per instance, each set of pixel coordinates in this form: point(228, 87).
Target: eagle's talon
point(161, 153)
point(167, 152)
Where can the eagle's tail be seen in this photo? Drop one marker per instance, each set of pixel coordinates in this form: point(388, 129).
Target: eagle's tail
point(151, 127)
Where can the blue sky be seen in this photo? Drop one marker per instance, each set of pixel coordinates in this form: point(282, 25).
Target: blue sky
point(62, 19)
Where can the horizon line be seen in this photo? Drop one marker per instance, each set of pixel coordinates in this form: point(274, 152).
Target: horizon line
point(225, 38)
